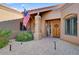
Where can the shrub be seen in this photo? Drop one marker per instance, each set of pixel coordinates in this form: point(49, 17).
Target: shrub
point(5, 33)
point(3, 41)
point(24, 36)
point(4, 37)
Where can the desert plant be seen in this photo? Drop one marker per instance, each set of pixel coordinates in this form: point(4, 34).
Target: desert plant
point(5, 33)
point(24, 36)
point(4, 37)
point(3, 41)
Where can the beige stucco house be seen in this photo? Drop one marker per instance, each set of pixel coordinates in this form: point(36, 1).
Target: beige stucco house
point(61, 21)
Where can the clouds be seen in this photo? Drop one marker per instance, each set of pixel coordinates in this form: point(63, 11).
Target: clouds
point(29, 6)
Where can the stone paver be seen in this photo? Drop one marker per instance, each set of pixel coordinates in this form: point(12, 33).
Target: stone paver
point(44, 46)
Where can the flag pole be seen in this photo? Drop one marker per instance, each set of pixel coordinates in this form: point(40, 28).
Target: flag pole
point(23, 14)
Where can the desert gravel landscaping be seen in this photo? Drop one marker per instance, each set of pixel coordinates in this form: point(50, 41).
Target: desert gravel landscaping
point(44, 46)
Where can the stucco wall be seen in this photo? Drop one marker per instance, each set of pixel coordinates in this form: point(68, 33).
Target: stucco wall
point(13, 25)
point(73, 8)
point(43, 28)
point(51, 15)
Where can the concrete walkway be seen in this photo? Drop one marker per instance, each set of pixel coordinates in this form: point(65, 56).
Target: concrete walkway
point(44, 46)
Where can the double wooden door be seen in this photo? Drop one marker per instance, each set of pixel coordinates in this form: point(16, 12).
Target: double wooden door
point(55, 28)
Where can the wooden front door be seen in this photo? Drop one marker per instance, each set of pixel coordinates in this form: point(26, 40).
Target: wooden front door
point(55, 28)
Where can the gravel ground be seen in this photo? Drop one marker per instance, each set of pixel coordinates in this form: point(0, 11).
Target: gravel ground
point(44, 46)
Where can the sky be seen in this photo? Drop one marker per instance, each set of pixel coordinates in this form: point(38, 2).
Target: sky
point(29, 6)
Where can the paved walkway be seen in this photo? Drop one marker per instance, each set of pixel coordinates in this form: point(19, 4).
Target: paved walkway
point(41, 47)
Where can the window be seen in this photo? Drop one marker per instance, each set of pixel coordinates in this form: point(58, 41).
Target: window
point(22, 28)
point(71, 26)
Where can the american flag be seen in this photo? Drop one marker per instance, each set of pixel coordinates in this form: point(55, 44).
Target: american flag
point(26, 17)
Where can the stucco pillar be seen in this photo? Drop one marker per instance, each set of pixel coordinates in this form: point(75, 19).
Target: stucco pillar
point(37, 34)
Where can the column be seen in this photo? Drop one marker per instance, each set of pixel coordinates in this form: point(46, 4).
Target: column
point(37, 34)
